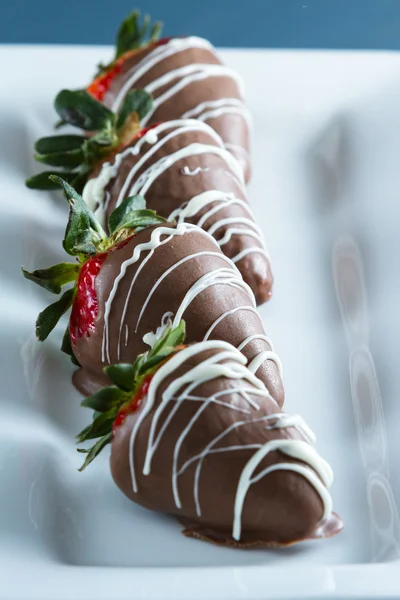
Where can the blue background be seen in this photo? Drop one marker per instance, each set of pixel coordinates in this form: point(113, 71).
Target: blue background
point(364, 24)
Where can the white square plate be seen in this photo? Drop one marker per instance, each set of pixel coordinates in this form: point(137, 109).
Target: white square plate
point(326, 184)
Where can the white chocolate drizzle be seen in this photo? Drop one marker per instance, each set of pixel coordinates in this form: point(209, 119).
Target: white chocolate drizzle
point(256, 363)
point(228, 313)
point(222, 276)
point(186, 170)
point(157, 55)
point(247, 251)
point(226, 362)
point(214, 109)
point(149, 176)
point(151, 245)
point(168, 272)
point(185, 76)
point(319, 475)
point(252, 229)
point(256, 336)
point(199, 202)
point(94, 191)
point(220, 201)
point(152, 337)
point(236, 149)
point(261, 358)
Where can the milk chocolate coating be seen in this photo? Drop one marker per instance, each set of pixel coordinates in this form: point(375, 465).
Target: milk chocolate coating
point(281, 508)
point(174, 188)
point(232, 127)
point(202, 312)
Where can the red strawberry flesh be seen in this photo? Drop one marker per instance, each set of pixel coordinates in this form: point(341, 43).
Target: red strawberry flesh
point(134, 404)
point(101, 84)
point(85, 306)
point(143, 131)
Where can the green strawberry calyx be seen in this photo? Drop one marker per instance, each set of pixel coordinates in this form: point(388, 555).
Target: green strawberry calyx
point(130, 384)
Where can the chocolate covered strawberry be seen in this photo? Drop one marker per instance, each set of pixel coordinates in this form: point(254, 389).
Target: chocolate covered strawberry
point(85, 240)
point(181, 166)
point(186, 79)
point(193, 433)
point(186, 174)
point(131, 284)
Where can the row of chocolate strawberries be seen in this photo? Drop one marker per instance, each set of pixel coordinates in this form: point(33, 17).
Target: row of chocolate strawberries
point(185, 168)
point(194, 432)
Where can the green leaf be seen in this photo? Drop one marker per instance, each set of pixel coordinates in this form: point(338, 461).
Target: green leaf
point(161, 341)
point(50, 316)
point(141, 222)
point(126, 378)
point(143, 29)
point(105, 399)
point(70, 159)
point(140, 219)
point(176, 337)
point(53, 278)
point(95, 450)
point(79, 237)
point(82, 244)
point(128, 34)
point(100, 426)
point(131, 35)
point(80, 109)
point(132, 203)
point(61, 150)
point(79, 182)
point(153, 361)
point(165, 346)
point(121, 375)
point(155, 32)
point(102, 138)
point(69, 191)
point(60, 124)
point(66, 347)
point(42, 181)
point(136, 101)
point(83, 230)
point(137, 365)
point(59, 143)
point(101, 67)
point(170, 338)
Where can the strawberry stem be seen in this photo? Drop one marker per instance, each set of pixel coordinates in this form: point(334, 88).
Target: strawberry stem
point(78, 154)
point(128, 380)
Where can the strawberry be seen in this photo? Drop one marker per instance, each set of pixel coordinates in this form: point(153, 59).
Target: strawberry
point(86, 240)
point(193, 433)
point(187, 78)
point(186, 175)
point(129, 285)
